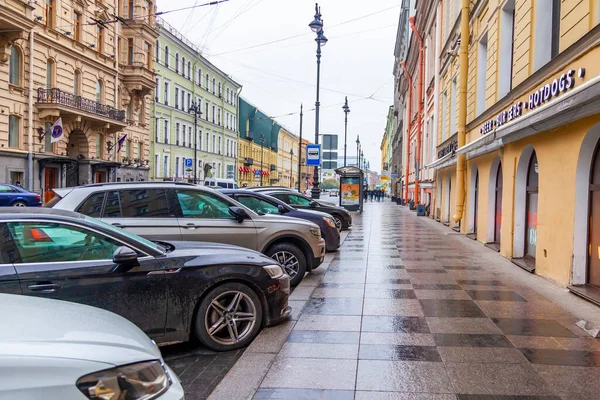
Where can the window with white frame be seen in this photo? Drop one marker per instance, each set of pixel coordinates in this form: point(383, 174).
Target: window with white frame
point(453, 106)
point(547, 32)
point(183, 132)
point(505, 59)
point(482, 55)
point(177, 125)
point(167, 132)
point(166, 169)
point(189, 136)
point(166, 93)
point(156, 165)
point(177, 171)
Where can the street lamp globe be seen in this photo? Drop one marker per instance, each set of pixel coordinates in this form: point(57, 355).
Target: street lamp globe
point(321, 39)
point(347, 109)
point(316, 25)
point(357, 140)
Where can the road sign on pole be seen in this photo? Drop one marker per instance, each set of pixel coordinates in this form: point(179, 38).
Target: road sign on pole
point(189, 162)
point(313, 155)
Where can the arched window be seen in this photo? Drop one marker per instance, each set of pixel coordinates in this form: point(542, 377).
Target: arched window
point(49, 73)
point(77, 83)
point(176, 62)
point(14, 74)
point(167, 56)
point(183, 66)
point(99, 91)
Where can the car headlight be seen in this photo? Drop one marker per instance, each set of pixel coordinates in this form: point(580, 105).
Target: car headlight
point(274, 271)
point(140, 381)
point(329, 221)
point(316, 232)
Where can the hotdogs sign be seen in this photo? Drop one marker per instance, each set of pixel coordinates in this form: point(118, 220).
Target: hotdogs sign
point(544, 94)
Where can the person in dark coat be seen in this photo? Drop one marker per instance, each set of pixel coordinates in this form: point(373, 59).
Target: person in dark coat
point(371, 194)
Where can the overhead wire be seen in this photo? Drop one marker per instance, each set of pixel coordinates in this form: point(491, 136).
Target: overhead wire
point(224, 26)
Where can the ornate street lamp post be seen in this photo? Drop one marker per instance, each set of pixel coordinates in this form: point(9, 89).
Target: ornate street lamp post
point(346, 111)
point(196, 110)
point(317, 26)
point(357, 150)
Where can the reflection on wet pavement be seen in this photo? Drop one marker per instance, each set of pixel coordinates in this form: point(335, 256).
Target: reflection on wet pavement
point(409, 313)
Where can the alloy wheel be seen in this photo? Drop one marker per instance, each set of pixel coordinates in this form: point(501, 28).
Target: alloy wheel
point(19, 204)
point(288, 261)
point(338, 223)
point(230, 317)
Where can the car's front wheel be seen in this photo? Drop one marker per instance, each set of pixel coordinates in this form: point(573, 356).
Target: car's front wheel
point(291, 258)
point(339, 224)
point(229, 317)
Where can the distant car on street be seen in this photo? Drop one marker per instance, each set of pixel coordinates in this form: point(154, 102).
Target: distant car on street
point(16, 196)
point(221, 295)
point(342, 217)
point(56, 350)
point(262, 204)
point(181, 211)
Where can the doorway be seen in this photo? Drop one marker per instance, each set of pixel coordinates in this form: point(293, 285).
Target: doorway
point(594, 230)
point(50, 182)
point(532, 209)
point(498, 207)
point(100, 177)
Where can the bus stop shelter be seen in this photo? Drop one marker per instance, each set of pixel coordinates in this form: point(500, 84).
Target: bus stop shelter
point(351, 188)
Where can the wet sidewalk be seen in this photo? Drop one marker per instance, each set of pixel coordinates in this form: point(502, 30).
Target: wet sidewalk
point(409, 310)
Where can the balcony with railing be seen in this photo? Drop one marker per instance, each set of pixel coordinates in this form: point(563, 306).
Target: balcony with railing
point(58, 103)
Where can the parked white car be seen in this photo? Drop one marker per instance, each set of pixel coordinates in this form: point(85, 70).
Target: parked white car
point(53, 350)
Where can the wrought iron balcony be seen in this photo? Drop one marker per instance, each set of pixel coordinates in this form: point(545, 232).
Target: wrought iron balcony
point(62, 98)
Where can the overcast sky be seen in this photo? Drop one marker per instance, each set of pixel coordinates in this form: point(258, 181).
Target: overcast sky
point(277, 77)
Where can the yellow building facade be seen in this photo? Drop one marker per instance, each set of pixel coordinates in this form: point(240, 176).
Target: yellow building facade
point(532, 135)
point(287, 159)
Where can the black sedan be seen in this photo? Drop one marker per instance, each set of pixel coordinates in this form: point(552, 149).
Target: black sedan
point(221, 295)
point(342, 217)
point(262, 204)
point(16, 196)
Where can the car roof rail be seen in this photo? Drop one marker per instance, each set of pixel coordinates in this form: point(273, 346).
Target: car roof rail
point(136, 183)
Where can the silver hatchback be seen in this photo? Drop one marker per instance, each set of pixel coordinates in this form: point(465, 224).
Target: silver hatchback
point(179, 211)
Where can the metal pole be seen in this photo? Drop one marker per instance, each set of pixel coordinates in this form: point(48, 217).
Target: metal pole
point(300, 155)
point(316, 191)
point(195, 145)
point(262, 152)
point(346, 111)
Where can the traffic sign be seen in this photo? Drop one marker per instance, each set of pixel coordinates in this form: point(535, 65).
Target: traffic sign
point(313, 154)
point(189, 162)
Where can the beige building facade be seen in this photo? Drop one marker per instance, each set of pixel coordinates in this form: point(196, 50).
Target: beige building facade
point(73, 61)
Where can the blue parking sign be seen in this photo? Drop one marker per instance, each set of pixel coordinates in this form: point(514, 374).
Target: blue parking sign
point(189, 162)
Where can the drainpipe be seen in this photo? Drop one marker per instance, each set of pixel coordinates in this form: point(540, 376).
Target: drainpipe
point(30, 118)
point(411, 20)
point(436, 96)
point(462, 109)
point(408, 129)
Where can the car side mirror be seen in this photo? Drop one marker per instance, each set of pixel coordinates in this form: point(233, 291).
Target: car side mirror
point(239, 214)
point(125, 258)
point(313, 204)
point(282, 209)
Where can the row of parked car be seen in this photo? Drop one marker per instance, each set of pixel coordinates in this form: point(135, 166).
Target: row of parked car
point(181, 262)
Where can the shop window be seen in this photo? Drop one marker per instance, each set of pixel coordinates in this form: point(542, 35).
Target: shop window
point(482, 55)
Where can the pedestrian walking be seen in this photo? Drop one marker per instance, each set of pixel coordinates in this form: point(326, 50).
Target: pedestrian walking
point(371, 194)
point(365, 194)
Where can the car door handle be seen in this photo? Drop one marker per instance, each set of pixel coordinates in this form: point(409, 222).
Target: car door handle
point(45, 287)
point(190, 226)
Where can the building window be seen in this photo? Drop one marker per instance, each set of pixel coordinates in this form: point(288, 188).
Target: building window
point(13, 131)
point(157, 90)
point(189, 136)
point(505, 60)
point(49, 73)
point(157, 129)
point(220, 94)
point(148, 49)
point(130, 9)
point(547, 32)
point(77, 26)
point(189, 101)
point(177, 62)
point(150, 11)
point(98, 145)
point(157, 46)
point(176, 97)
point(206, 113)
point(130, 51)
point(14, 69)
point(207, 80)
point(444, 114)
point(189, 71)
point(166, 94)
point(77, 83)
point(446, 18)
point(207, 139)
point(200, 77)
point(183, 132)
point(219, 117)
point(177, 133)
point(183, 101)
point(453, 99)
point(214, 85)
point(50, 13)
point(167, 56)
point(214, 147)
point(99, 91)
point(166, 132)
point(481, 73)
point(99, 39)
point(213, 114)
point(156, 166)
point(166, 166)
point(183, 66)
point(219, 147)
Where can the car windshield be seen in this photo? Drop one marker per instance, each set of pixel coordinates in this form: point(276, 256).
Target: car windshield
point(129, 235)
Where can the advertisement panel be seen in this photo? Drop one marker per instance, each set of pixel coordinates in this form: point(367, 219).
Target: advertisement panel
point(350, 191)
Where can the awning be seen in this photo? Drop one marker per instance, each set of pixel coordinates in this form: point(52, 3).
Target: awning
point(436, 164)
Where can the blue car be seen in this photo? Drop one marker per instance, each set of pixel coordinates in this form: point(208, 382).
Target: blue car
point(16, 196)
